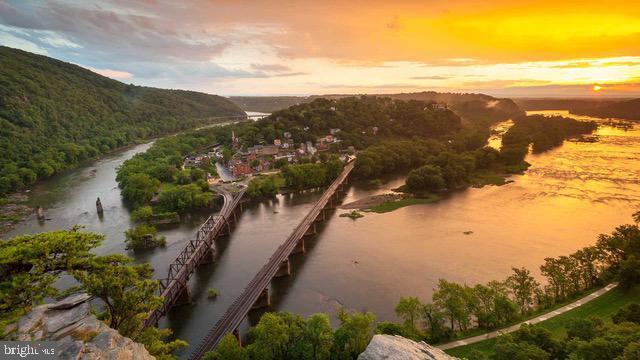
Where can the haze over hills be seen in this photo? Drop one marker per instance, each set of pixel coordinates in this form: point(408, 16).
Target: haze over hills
point(628, 109)
point(54, 114)
point(470, 107)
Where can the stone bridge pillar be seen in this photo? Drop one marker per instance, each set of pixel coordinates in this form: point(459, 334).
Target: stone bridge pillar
point(299, 249)
point(285, 269)
point(209, 256)
point(264, 300)
point(311, 230)
point(184, 296)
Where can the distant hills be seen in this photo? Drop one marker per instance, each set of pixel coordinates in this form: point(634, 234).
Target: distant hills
point(628, 109)
point(470, 107)
point(54, 114)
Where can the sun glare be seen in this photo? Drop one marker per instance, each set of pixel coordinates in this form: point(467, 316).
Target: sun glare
point(597, 87)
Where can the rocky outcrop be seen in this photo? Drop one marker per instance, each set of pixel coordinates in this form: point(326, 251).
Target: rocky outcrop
point(388, 347)
point(78, 334)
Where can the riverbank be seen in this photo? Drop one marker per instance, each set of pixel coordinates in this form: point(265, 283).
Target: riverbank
point(383, 203)
point(13, 210)
point(603, 305)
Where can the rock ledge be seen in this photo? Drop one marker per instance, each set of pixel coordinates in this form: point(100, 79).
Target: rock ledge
point(388, 347)
point(78, 334)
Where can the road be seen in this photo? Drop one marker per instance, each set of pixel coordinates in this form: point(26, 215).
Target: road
point(538, 319)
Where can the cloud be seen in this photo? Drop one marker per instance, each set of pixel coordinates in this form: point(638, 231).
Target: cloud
point(270, 67)
point(115, 74)
point(302, 47)
point(13, 41)
point(56, 40)
point(287, 74)
point(433, 77)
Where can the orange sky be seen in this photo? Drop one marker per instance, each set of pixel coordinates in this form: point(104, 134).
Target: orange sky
point(305, 47)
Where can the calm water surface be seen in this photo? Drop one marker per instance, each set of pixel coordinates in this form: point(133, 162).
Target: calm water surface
point(568, 196)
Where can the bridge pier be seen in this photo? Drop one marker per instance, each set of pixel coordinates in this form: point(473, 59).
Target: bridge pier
point(311, 230)
point(236, 333)
point(299, 249)
point(184, 297)
point(209, 256)
point(264, 300)
point(285, 269)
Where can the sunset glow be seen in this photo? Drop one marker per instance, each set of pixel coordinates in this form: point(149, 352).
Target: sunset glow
point(499, 47)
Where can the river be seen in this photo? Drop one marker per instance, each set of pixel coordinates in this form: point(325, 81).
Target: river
point(568, 196)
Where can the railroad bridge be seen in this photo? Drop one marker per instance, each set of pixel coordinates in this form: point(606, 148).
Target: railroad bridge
point(256, 293)
point(174, 289)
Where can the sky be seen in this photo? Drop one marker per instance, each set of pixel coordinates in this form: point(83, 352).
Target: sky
point(542, 48)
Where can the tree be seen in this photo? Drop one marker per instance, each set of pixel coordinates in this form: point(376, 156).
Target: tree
point(434, 319)
point(140, 189)
point(588, 259)
point(143, 236)
point(264, 186)
point(540, 338)
point(30, 264)
point(426, 178)
point(454, 300)
point(523, 287)
point(142, 214)
point(353, 335)
point(631, 313)
point(228, 349)
point(554, 270)
point(127, 291)
point(408, 308)
point(319, 334)
point(584, 328)
point(629, 273)
point(182, 198)
point(508, 349)
point(632, 351)
point(153, 340)
point(270, 337)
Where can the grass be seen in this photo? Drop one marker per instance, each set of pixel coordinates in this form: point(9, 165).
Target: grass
point(352, 215)
point(392, 205)
point(483, 178)
point(604, 306)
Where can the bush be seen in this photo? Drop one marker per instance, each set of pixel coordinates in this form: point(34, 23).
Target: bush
point(142, 214)
point(629, 314)
point(143, 237)
point(426, 178)
point(264, 186)
point(212, 293)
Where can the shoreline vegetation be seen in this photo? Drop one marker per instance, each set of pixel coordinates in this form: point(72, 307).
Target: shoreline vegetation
point(71, 114)
point(458, 311)
point(604, 307)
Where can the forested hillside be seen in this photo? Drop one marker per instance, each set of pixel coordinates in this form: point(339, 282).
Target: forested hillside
point(472, 108)
point(603, 108)
point(54, 114)
point(362, 121)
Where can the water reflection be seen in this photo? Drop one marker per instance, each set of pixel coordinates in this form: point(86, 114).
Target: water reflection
point(568, 196)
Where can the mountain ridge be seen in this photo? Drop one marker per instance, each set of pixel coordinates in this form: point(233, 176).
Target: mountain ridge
point(54, 114)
